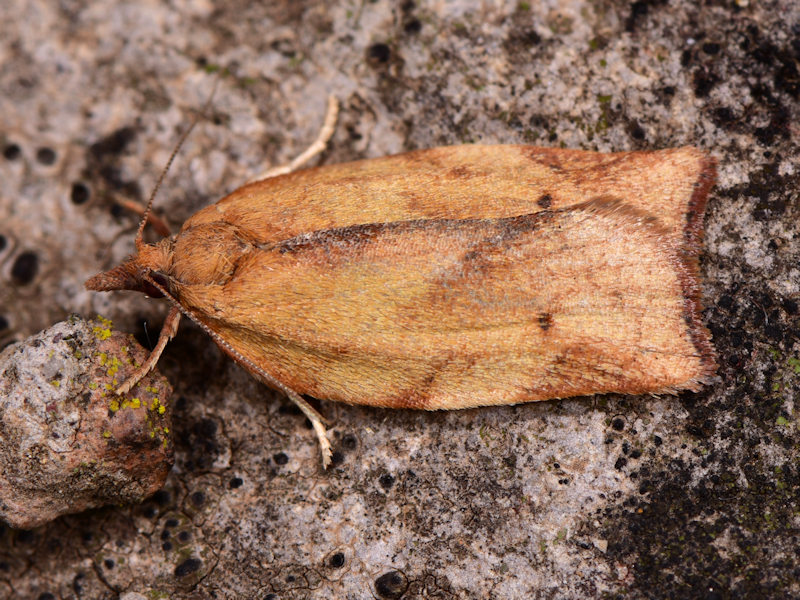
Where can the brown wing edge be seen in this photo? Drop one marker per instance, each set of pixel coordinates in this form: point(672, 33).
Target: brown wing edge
point(689, 276)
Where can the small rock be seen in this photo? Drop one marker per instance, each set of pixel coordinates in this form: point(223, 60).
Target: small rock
point(67, 441)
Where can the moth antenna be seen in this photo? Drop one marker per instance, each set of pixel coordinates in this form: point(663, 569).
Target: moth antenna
point(146, 214)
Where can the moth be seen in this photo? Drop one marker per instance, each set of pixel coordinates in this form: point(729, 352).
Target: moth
point(448, 278)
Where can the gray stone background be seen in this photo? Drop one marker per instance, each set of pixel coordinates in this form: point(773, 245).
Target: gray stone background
point(688, 496)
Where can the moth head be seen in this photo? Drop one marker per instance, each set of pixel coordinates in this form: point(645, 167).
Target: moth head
point(139, 272)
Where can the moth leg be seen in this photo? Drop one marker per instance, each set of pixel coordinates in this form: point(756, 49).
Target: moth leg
point(325, 134)
point(316, 422)
point(159, 224)
point(168, 332)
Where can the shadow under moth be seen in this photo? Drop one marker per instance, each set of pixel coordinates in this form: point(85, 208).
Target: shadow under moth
point(448, 278)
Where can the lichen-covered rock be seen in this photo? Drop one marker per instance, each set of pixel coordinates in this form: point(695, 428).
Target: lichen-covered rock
point(67, 441)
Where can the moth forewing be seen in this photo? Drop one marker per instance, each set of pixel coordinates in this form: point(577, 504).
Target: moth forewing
point(454, 313)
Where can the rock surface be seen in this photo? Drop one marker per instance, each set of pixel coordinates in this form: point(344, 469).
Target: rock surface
point(67, 443)
point(688, 496)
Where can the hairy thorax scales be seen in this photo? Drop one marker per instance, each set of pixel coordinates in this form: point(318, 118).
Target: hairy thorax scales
point(207, 254)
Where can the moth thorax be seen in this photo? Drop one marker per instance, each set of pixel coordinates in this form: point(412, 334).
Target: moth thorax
point(207, 254)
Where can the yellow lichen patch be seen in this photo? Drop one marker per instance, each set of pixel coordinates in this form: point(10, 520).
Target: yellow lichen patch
point(55, 383)
point(162, 409)
point(113, 366)
point(106, 434)
point(101, 333)
point(136, 403)
point(113, 406)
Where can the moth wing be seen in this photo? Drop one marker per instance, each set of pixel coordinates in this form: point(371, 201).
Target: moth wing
point(456, 313)
point(470, 182)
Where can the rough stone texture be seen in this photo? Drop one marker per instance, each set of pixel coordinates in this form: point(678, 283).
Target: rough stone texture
point(692, 496)
point(67, 443)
